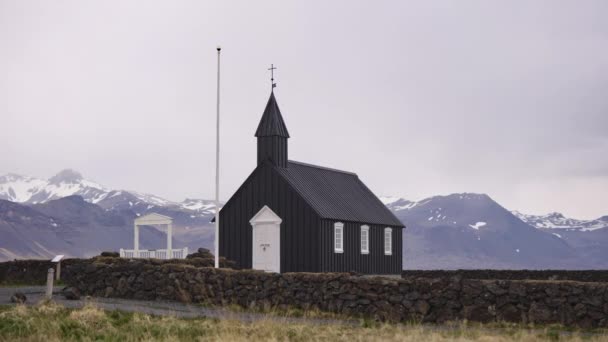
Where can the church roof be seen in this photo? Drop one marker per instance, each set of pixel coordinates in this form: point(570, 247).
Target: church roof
point(336, 194)
point(272, 123)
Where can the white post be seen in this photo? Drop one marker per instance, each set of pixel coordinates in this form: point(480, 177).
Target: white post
point(169, 242)
point(217, 168)
point(136, 241)
point(58, 274)
point(49, 283)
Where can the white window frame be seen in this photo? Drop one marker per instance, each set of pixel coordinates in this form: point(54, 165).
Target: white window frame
point(365, 232)
point(388, 247)
point(338, 237)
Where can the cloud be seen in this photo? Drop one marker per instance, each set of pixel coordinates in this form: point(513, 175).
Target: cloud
point(418, 98)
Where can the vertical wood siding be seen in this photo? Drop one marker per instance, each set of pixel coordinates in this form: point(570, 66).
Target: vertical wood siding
point(299, 229)
point(376, 262)
point(273, 148)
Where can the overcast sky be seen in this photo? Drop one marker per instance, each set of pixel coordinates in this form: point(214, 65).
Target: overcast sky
point(508, 98)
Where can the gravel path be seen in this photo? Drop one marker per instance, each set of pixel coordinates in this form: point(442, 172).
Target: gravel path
point(160, 308)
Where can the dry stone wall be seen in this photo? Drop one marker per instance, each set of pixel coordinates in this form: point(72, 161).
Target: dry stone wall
point(576, 275)
point(28, 272)
point(34, 272)
point(571, 303)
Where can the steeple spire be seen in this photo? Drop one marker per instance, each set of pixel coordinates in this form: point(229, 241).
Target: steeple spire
point(272, 123)
point(272, 135)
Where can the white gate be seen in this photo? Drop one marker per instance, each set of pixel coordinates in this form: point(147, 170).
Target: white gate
point(154, 219)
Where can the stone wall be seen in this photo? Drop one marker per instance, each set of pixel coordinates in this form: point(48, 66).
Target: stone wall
point(578, 275)
point(583, 304)
point(34, 272)
point(28, 272)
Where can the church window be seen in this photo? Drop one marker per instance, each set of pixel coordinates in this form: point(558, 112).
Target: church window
point(388, 241)
point(364, 239)
point(339, 237)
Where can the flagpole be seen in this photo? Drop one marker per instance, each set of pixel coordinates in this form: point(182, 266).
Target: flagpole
point(217, 168)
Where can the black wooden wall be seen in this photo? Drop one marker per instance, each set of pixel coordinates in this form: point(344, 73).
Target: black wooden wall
point(351, 259)
point(273, 148)
point(299, 229)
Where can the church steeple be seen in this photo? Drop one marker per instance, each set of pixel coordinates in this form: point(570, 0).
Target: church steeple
point(272, 121)
point(272, 135)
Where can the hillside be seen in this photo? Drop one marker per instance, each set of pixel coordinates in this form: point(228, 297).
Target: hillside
point(473, 231)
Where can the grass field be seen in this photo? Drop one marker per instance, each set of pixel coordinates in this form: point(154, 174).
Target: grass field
point(51, 322)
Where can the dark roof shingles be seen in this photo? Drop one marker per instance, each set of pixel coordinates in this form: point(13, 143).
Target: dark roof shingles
point(336, 194)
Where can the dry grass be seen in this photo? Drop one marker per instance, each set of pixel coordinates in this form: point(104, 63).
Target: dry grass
point(50, 322)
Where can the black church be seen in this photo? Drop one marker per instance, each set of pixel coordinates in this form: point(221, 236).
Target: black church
point(290, 216)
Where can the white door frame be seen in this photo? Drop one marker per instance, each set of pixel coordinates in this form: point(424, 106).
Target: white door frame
point(266, 225)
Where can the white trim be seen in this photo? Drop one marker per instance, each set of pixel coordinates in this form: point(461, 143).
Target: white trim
point(265, 215)
point(338, 237)
point(153, 219)
point(388, 241)
point(58, 258)
point(364, 233)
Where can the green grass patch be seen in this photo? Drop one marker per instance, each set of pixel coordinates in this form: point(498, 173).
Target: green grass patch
point(288, 311)
point(51, 322)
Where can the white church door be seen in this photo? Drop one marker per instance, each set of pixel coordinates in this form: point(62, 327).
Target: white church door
point(266, 241)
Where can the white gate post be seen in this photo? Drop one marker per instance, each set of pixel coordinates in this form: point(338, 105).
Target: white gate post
point(136, 241)
point(49, 283)
point(169, 242)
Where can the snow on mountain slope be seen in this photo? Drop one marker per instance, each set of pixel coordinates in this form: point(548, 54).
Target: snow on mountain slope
point(16, 188)
point(558, 221)
point(30, 190)
point(198, 205)
point(398, 203)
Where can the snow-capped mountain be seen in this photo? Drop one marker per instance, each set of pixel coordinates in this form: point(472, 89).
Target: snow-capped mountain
point(558, 221)
point(24, 189)
point(473, 231)
point(30, 190)
point(588, 237)
point(397, 203)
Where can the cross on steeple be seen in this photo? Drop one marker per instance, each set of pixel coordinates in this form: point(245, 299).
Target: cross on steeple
point(272, 69)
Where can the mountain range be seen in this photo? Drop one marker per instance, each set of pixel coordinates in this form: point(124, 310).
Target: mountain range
point(30, 190)
point(473, 231)
point(68, 214)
